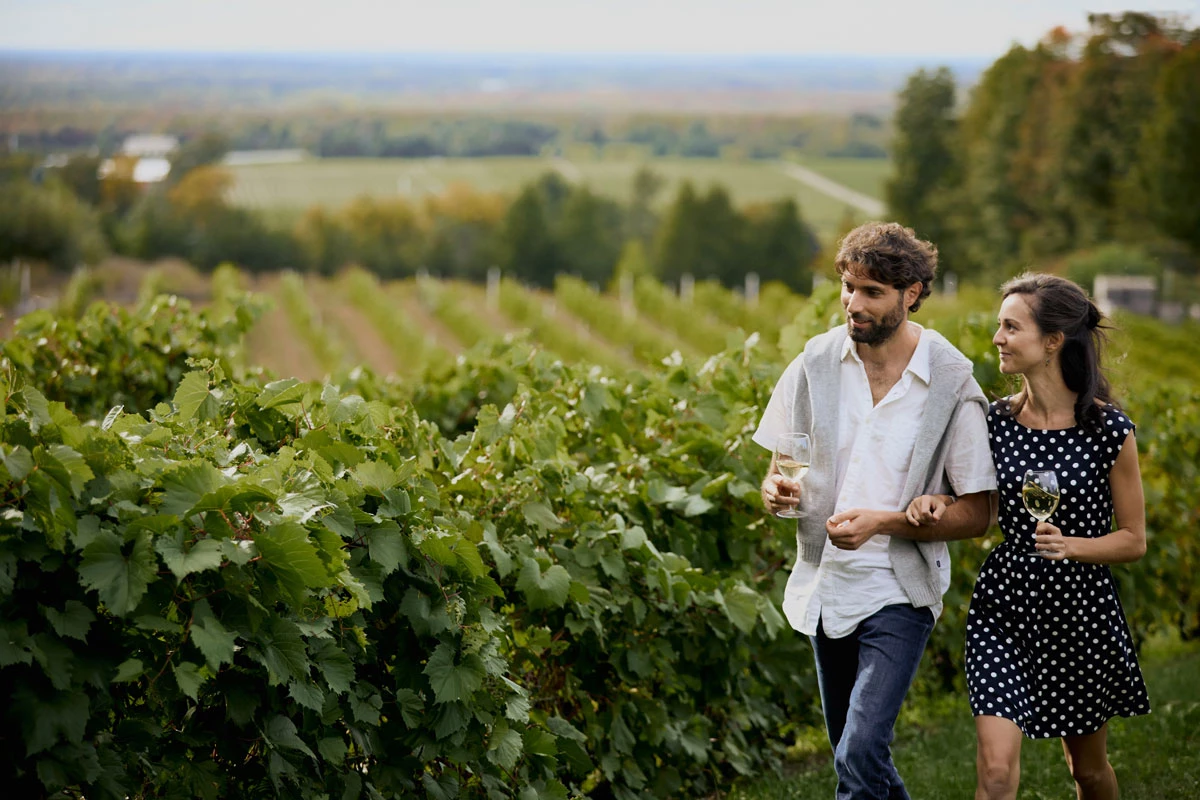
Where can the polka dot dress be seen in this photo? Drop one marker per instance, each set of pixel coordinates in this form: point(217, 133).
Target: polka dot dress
point(1047, 642)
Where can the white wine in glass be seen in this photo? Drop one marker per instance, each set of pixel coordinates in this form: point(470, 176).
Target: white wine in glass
point(1040, 494)
point(792, 457)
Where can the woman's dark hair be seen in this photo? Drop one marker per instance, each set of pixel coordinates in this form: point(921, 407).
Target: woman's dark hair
point(1061, 306)
point(892, 254)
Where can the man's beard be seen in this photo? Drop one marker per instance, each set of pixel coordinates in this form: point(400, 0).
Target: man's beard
point(879, 331)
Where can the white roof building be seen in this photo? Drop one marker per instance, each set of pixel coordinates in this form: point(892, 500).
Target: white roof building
point(151, 170)
point(1136, 293)
point(145, 170)
point(149, 145)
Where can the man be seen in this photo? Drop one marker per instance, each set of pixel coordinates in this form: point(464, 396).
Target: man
point(894, 413)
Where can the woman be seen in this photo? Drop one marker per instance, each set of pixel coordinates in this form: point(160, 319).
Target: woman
point(1049, 652)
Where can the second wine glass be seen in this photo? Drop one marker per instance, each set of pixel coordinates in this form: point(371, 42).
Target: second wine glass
point(1040, 493)
point(792, 457)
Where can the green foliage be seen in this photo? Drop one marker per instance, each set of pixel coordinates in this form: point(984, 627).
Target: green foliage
point(518, 577)
point(529, 310)
point(292, 591)
point(690, 322)
point(822, 312)
point(207, 148)
point(529, 250)
point(1172, 145)
point(624, 520)
point(780, 246)
point(633, 263)
point(79, 292)
point(48, 223)
point(307, 322)
point(116, 357)
point(238, 595)
point(1079, 142)
point(994, 173)
point(206, 234)
point(923, 152)
point(450, 304)
point(1156, 594)
point(636, 337)
point(408, 344)
point(702, 236)
point(590, 233)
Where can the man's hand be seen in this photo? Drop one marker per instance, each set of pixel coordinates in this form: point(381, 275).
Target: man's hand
point(779, 493)
point(852, 529)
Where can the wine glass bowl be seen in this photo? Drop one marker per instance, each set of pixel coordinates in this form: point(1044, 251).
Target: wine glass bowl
point(1040, 495)
point(793, 454)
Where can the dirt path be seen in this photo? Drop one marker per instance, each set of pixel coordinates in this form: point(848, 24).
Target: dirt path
point(421, 318)
point(363, 342)
point(273, 343)
point(834, 189)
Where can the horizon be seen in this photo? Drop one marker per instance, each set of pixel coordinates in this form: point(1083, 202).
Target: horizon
point(494, 54)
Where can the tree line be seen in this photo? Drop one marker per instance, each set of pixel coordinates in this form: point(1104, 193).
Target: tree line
point(551, 226)
point(1082, 143)
point(381, 134)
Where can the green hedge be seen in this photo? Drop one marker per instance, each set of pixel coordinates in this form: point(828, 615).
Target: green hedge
point(518, 578)
point(287, 589)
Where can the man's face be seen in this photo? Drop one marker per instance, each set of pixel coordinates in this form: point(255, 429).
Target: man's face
point(874, 310)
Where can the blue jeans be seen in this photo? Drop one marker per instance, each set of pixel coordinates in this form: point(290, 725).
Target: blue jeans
point(863, 679)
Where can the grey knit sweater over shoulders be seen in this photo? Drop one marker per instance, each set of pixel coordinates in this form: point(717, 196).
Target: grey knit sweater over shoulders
point(816, 407)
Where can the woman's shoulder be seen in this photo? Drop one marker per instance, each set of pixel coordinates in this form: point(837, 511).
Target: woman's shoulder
point(999, 416)
point(1116, 422)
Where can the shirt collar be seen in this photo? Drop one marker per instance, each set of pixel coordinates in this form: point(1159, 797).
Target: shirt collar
point(918, 365)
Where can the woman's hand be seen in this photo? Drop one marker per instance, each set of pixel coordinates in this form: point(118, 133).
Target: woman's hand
point(927, 509)
point(1051, 544)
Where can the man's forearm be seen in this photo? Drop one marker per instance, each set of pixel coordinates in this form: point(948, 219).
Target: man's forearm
point(966, 518)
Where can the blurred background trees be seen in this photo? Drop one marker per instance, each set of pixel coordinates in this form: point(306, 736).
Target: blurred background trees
point(1069, 146)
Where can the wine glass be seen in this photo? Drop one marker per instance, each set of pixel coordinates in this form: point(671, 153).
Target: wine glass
point(792, 457)
point(1039, 493)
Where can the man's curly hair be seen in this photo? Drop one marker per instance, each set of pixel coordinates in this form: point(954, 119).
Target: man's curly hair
point(889, 253)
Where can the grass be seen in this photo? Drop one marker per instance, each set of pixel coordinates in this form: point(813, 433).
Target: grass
point(286, 189)
point(1156, 757)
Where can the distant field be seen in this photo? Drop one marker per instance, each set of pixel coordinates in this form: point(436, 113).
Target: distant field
point(284, 188)
point(866, 175)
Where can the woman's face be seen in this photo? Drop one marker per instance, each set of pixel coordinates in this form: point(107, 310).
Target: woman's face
point(1021, 344)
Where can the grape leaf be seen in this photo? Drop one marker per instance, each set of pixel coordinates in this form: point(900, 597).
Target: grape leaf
point(214, 640)
point(450, 681)
point(740, 604)
point(504, 746)
point(73, 621)
point(547, 589)
point(191, 394)
point(119, 579)
point(539, 514)
point(288, 553)
point(202, 555)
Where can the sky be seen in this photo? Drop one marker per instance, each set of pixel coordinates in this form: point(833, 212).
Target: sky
point(841, 27)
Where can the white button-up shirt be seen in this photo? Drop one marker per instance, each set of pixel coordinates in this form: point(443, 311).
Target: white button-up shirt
point(874, 446)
